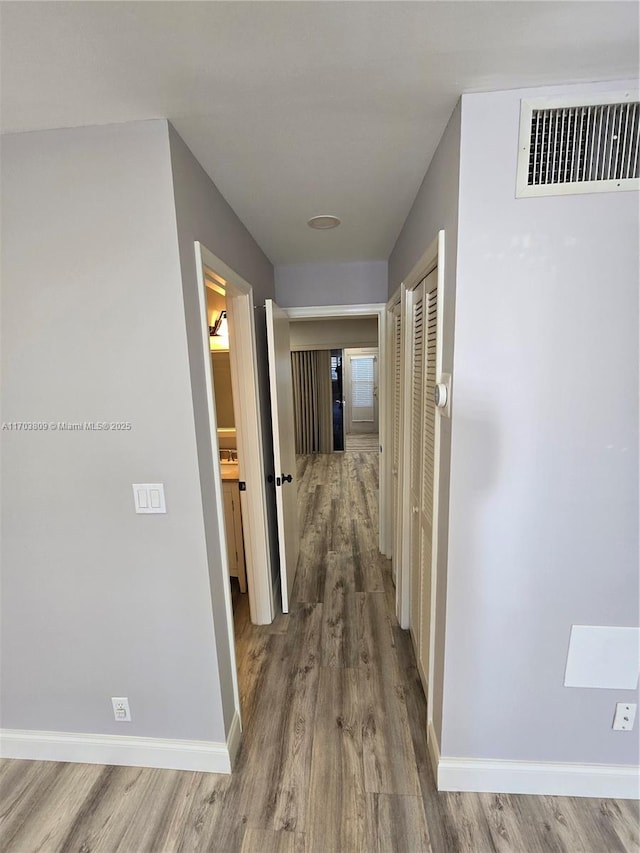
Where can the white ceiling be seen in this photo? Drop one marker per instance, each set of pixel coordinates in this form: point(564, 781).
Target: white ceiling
point(296, 109)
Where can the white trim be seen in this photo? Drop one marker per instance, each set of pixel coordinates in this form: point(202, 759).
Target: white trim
point(433, 748)
point(221, 539)
point(387, 365)
point(243, 357)
point(317, 312)
point(403, 512)
point(243, 363)
point(433, 258)
point(440, 260)
point(386, 451)
point(428, 262)
point(234, 739)
point(618, 781)
point(277, 588)
point(619, 96)
point(424, 677)
point(528, 777)
point(199, 755)
point(369, 309)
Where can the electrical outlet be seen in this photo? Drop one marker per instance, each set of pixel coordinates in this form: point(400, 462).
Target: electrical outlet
point(121, 710)
point(625, 717)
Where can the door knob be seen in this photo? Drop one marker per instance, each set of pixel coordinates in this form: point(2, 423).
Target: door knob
point(287, 478)
point(440, 394)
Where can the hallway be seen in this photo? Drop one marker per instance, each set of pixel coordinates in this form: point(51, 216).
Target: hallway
point(335, 760)
point(334, 755)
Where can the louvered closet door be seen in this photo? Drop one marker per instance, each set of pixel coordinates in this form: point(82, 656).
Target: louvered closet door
point(416, 391)
point(397, 402)
point(428, 467)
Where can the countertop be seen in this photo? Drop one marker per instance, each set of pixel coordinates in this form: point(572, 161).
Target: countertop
point(229, 471)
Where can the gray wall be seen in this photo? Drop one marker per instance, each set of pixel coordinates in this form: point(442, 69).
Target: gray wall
point(98, 601)
point(334, 334)
point(436, 208)
point(203, 214)
point(202, 210)
point(361, 282)
point(544, 468)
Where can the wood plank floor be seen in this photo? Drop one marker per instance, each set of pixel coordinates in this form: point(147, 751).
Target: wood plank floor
point(361, 442)
point(334, 756)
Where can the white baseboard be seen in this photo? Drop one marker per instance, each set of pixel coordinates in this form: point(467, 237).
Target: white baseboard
point(433, 748)
point(199, 755)
point(233, 739)
point(423, 678)
point(525, 777)
point(276, 597)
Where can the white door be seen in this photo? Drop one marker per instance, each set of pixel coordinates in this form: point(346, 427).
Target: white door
point(279, 350)
point(396, 397)
point(361, 374)
point(416, 390)
point(428, 467)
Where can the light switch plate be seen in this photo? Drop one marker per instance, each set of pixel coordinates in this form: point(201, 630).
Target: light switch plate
point(149, 497)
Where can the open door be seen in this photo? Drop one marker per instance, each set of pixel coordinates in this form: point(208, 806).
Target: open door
point(284, 456)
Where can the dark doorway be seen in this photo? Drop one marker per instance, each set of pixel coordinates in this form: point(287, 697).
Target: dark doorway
point(338, 399)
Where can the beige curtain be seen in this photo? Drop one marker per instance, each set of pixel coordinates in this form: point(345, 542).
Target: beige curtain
point(312, 408)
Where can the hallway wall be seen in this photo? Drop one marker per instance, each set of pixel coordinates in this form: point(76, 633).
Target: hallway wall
point(202, 214)
point(436, 207)
point(97, 600)
point(543, 521)
point(353, 283)
point(544, 469)
point(334, 334)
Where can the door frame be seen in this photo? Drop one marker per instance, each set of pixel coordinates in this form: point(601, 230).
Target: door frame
point(378, 310)
point(394, 541)
point(433, 258)
point(246, 404)
point(339, 349)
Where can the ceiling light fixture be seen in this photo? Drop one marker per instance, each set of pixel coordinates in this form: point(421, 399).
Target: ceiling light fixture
point(323, 222)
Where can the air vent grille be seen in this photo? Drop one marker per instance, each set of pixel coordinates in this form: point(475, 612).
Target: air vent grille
point(571, 148)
